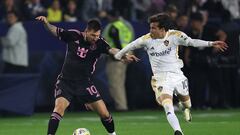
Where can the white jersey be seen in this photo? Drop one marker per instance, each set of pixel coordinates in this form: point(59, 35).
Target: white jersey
point(163, 53)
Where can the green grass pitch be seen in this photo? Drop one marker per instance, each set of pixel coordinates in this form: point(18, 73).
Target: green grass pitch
point(147, 122)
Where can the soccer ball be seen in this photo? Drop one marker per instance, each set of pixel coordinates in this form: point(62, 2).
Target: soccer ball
point(81, 131)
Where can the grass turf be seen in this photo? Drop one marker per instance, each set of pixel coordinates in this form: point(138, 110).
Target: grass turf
point(147, 122)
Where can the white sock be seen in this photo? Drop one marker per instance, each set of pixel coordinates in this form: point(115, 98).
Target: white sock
point(171, 117)
point(112, 133)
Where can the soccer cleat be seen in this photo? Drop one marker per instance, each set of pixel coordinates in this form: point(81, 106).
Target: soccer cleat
point(177, 132)
point(187, 114)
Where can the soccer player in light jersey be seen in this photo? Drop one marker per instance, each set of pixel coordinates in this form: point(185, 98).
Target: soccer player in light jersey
point(161, 45)
point(75, 79)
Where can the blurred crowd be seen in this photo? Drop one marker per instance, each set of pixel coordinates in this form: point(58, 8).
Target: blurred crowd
point(134, 10)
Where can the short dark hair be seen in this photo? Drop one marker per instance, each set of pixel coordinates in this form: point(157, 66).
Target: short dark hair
point(94, 24)
point(163, 19)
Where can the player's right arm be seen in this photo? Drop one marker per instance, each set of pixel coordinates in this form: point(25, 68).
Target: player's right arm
point(64, 35)
point(48, 26)
point(138, 43)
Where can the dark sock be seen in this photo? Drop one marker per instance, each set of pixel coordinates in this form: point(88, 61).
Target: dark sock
point(53, 123)
point(108, 124)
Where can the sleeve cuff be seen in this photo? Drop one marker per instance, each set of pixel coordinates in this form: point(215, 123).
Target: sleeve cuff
point(118, 57)
point(210, 43)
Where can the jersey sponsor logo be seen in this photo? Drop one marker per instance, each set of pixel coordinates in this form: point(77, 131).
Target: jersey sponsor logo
point(82, 52)
point(165, 52)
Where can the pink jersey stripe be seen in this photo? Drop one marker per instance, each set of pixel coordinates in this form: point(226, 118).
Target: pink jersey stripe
point(94, 66)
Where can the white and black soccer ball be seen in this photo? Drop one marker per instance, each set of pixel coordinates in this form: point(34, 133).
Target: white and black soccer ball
point(81, 131)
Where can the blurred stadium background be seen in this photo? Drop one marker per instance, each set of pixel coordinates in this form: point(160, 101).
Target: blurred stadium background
point(216, 103)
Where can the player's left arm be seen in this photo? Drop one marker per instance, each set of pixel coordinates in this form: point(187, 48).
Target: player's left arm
point(183, 39)
point(136, 44)
point(113, 51)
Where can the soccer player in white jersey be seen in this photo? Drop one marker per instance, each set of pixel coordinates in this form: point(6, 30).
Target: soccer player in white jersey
point(161, 45)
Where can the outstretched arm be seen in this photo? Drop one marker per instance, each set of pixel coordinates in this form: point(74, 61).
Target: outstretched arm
point(183, 39)
point(48, 26)
point(222, 46)
point(138, 43)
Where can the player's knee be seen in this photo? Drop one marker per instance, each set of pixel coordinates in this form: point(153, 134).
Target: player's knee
point(59, 108)
point(168, 106)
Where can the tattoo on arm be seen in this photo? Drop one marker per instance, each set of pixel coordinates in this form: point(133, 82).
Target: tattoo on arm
point(51, 28)
point(113, 51)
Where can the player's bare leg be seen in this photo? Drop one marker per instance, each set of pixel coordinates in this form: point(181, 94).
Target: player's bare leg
point(185, 105)
point(107, 120)
point(166, 101)
point(60, 106)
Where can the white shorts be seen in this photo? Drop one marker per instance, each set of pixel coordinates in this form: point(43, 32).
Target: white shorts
point(170, 83)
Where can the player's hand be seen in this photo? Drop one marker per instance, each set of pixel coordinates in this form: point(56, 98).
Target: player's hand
point(220, 45)
point(130, 58)
point(113, 50)
point(42, 19)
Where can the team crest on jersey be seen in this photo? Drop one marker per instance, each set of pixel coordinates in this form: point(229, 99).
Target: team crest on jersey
point(166, 42)
point(93, 47)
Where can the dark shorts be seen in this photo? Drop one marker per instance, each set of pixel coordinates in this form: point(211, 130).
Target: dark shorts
point(84, 91)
